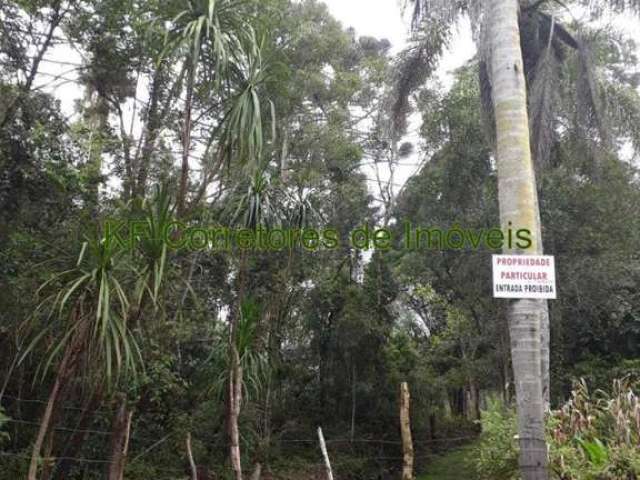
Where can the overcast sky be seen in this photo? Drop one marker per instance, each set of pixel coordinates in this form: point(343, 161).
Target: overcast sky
point(377, 18)
point(384, 19)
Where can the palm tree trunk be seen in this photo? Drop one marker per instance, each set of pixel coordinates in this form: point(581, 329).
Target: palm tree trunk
point(65, 372)
point(235, 400)
point(545, 355)
point(120, 440)
point(235, 374)
point(75, 442)
point(186, 141)
point(155, 118)
point(473, 401)
point(47, 465)
point(519, 209)
point(44, 426)
point(151, 131)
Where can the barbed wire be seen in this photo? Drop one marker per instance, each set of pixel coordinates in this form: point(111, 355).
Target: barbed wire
point(44, 402)
point(309, 441)
point(60, 429)
point(391, 442)
point(86, 460)
point(335, 463)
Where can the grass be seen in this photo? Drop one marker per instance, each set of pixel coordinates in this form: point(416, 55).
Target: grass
point(455, 465)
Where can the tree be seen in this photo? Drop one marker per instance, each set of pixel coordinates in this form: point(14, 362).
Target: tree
point(252, 350)
point(518, 202)
point(518, 207)
point(516, 176)
point(218, 35)
point(99, 305)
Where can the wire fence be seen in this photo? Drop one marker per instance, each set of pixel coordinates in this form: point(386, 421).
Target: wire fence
point(306, 441)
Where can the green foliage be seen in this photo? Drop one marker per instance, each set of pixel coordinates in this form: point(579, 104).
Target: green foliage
point(597, 454)
point(324, 337)
point(592, 437)
point(99, 301)
point(497, 452)
point(595, 433)
point(242, 131)
point(452, 465)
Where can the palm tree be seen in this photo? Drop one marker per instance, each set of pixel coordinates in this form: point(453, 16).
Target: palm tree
point(519, 206)
point(92, 308)
point(507, 61)
point(263, 204)
point(254, 209)
point(217, 35)
point(93, 317)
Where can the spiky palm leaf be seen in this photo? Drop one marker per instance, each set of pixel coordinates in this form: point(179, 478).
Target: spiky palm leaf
point(255, 365)
point(242, 133)
point(90, 312)
point(545, 44)
point(543, 95)
point(301, 212)
point(158, 217)
point(217, 27)
point(96, 309)
point(218, 35)
point(431, 22)
point(259, 206)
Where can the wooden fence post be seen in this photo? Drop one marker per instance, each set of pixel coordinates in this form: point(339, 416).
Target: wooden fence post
point(192, 463)
point(405, 430)
point(325, 455)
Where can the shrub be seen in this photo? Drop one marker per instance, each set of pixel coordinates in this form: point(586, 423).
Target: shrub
point(594, 436)
point(497, 451)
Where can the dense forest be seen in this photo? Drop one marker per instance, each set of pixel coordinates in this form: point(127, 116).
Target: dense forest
point(204, 266)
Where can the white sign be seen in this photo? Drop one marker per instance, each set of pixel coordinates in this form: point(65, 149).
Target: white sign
point(524, 276)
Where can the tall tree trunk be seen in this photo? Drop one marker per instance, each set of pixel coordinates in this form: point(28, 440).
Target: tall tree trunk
point(151, 131)
point(186, 141)
point(74, 444)
point(472, 407)
point(234, 391)
point(284, 154)
point(235, 399)
point(405, 430)
point(156, 115)
point(120, 440)
point(519, 209)
point(65, 372)
point(47, 464)
point(545, 354)
point(257, 472)
point(235, 374)
point(192, 463)
point(97, 121)
point(44, 427)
